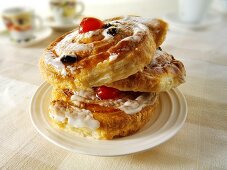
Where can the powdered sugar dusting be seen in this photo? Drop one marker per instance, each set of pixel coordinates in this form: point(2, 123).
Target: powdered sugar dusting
point(113, 57)
point(55, 62)
point(138, 19)
point(67, 46)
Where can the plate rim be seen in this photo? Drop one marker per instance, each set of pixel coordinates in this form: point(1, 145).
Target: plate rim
point(33, 41)
point(166, 137)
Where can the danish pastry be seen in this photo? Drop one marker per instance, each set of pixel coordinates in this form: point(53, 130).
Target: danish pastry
point(107, 75)
point(119, 48)
point(89, 116)
point(162, 74)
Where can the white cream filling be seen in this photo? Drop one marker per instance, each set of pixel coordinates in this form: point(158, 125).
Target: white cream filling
point(82, 118)
point(134, 106)
point(79, 118)
point(127, 105)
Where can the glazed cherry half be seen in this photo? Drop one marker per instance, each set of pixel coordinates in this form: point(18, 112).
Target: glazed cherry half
point(90, 24)
point(104, 92)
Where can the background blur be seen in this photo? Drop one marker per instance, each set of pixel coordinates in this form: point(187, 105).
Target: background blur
point(107, 8)
point(101, 8)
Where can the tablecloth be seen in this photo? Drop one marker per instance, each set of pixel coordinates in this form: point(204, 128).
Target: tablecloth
point(200, 144)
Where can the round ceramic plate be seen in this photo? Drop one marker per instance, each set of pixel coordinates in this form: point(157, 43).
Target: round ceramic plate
point(168, 119)
point(39, 35)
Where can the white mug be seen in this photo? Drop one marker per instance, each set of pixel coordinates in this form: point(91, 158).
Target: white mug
point(65, 11)
point(193, 11)
point(21, 23)
point(221, 5)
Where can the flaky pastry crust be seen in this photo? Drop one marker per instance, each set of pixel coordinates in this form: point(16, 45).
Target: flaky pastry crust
point(134, 50)
point(114, 123)
point(162, 74)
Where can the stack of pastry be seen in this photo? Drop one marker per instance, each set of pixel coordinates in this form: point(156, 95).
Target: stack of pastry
point(107, 75)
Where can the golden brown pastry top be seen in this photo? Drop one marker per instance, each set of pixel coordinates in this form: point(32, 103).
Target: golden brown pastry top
point(163, 73)
point(121, 48)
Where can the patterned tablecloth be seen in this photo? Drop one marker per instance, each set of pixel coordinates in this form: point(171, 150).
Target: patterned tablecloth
point(200, 144)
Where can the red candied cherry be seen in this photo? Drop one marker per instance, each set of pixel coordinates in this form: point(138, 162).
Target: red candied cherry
point(104, 92)
point(90, 24)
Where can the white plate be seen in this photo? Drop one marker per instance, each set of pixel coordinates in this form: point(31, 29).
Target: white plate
point(172, 114)
point(63, 27)
point(210, 20)
point(39, 35)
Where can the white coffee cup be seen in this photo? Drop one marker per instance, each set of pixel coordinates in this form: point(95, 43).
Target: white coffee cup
point(65, 11)
point(21, 23)
point(221, 5)
point(193, 11)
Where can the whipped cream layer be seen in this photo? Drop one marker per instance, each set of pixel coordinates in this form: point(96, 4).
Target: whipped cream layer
point(129, 106)
point(76, 117)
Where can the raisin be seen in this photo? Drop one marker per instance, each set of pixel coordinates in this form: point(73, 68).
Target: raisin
point(69, 59)
point(105, 26)
point(112, 31)
point(68, 92)
point(159, 48)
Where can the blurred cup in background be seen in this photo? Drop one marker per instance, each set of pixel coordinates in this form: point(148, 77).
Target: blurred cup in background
point(21, 23)
point(221, 5)
point(193, 11)
point(65, 11)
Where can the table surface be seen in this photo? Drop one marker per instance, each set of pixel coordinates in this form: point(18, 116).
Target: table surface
point(200, 144)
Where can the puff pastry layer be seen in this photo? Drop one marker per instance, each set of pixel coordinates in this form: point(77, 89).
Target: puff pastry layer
point(113, 122)
point(123, 47)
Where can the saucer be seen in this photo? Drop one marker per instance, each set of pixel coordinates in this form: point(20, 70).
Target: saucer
point(39, 35)
point(175, 22)
point(63, 27)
